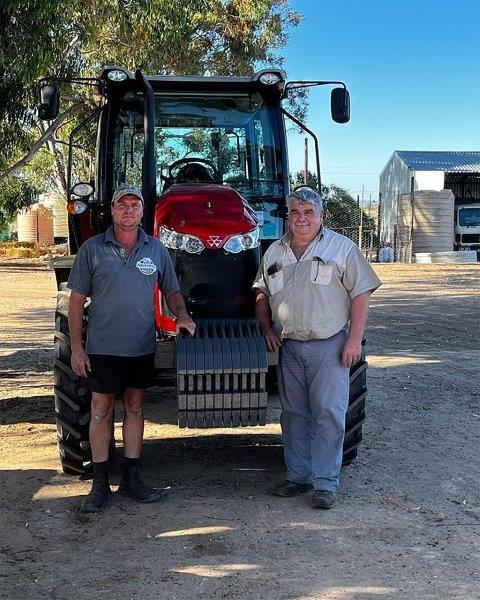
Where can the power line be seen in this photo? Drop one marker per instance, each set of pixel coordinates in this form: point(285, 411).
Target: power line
point(350, 173)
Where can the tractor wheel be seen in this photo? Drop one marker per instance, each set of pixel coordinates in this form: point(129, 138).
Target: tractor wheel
point(72, 397)
point(356, 409)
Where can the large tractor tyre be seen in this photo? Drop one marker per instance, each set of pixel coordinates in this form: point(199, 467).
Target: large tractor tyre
point(356, 409)
point(72, 397)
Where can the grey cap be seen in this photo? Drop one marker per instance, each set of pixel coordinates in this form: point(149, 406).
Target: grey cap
point(126, 190)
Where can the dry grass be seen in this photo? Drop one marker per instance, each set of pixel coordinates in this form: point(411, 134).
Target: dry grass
point(30, 250)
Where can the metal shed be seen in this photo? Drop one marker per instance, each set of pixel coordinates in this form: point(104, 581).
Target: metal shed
point(408, 172)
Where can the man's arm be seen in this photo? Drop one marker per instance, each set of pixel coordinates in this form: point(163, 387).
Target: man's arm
point(352, 350)
point(176, 304)
point(264, 315)
point(79, 360)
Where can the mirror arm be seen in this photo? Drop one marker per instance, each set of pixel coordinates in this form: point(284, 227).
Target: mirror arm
point(315, 139)
point(71, 145)
point(295, 85)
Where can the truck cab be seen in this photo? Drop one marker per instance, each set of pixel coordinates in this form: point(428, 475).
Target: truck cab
point(467, 226)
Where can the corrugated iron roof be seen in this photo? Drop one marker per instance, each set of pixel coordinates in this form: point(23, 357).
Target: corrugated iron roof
point(425, 160)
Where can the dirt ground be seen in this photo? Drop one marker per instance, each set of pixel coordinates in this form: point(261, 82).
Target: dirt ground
point(407, 521)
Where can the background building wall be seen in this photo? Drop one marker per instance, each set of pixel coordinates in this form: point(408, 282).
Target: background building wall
point(394, 179)
point(429, 180)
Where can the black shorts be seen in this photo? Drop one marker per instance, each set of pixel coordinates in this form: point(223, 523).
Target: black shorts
point(113, 374)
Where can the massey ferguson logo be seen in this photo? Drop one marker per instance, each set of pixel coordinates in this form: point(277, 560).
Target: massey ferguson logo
point(214, 241)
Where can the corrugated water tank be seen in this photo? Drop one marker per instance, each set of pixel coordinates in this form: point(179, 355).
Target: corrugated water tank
point(60, 214)
point(35, 224)
point(432, 219)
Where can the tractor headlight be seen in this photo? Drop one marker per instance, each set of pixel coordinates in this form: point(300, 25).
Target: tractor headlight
point(245, 241)
point(180, 241)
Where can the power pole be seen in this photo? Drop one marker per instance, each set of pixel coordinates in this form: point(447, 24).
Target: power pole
point(305, 169)
point(360, 226)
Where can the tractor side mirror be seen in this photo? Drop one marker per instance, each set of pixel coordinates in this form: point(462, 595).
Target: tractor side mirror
point(48, 102)
point(340, 105)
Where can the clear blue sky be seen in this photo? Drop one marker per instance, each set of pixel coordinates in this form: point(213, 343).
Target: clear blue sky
point(413, 71)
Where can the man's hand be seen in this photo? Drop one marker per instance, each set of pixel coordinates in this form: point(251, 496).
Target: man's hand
point(352, 352)
point(264, 316)
point(176, 304)
point(80, 362)
point(271, 339)
point(185, 322)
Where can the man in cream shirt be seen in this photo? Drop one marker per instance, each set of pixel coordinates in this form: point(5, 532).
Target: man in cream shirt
point(313, 290)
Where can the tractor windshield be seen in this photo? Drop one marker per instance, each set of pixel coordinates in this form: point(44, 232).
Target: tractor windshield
point(231, 139)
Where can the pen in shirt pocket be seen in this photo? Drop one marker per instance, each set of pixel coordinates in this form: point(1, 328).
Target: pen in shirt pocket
point(318, 260)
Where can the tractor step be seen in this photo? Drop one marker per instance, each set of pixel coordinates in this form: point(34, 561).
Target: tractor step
point(221, 374)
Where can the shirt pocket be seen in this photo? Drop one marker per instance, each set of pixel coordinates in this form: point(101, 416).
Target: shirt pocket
point(321, 273)
point(275, 282)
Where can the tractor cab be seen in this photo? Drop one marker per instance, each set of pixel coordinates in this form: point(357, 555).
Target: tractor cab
point(220, 182)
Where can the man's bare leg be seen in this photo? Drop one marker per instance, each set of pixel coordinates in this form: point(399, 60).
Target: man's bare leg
point(133, 423)
point(100, 433)
point(100, 425)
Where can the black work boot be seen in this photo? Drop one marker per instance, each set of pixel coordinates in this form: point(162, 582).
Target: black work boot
point(100, 493)
point(288, 489)
point(132, 486)
point(323, 499)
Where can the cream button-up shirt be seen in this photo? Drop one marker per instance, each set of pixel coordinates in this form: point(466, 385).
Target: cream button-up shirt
point(310, 298)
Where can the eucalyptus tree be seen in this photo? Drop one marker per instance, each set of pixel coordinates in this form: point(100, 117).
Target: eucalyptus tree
point(77, 38)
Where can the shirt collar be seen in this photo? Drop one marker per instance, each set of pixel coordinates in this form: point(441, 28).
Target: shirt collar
point(109, 237)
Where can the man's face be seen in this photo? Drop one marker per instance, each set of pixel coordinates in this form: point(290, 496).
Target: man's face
point(127, 212)
point(305, 220)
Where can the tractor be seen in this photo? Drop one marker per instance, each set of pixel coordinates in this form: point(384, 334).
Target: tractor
point(210, 155)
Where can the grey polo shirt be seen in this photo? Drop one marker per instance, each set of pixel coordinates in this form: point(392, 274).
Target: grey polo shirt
point(121, 318)
point(310, 298)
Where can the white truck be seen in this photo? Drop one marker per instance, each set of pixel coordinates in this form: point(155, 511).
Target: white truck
point(467, 226)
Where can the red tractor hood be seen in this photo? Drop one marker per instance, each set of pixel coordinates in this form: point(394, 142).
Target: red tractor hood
point(210, 211)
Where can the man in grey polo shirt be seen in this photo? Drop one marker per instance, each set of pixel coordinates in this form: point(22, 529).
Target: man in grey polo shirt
point(119, 270)
point(313, 290)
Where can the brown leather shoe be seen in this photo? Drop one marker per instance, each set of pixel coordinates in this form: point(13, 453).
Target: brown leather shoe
point(288, 489)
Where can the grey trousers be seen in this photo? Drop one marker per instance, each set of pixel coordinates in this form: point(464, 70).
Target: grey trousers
point(314, 390)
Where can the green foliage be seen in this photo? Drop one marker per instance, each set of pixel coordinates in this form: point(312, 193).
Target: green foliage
point(298, 180)
point(15, 193)
point(77, 38)
point(343, 212)
point(32, 44)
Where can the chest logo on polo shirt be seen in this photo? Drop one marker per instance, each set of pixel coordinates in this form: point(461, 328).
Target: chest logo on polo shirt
point(146, 266)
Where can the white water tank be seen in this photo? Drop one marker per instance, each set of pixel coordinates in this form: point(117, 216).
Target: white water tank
point(35, 224)
point(58, 204)
point(432, 222)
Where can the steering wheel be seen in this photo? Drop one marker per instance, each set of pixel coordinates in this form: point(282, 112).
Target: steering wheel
point(188, 161)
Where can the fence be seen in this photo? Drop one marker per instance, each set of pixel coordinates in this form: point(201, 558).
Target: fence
point(359, 223)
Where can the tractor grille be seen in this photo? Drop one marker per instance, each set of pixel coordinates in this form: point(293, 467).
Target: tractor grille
point(215, 284)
